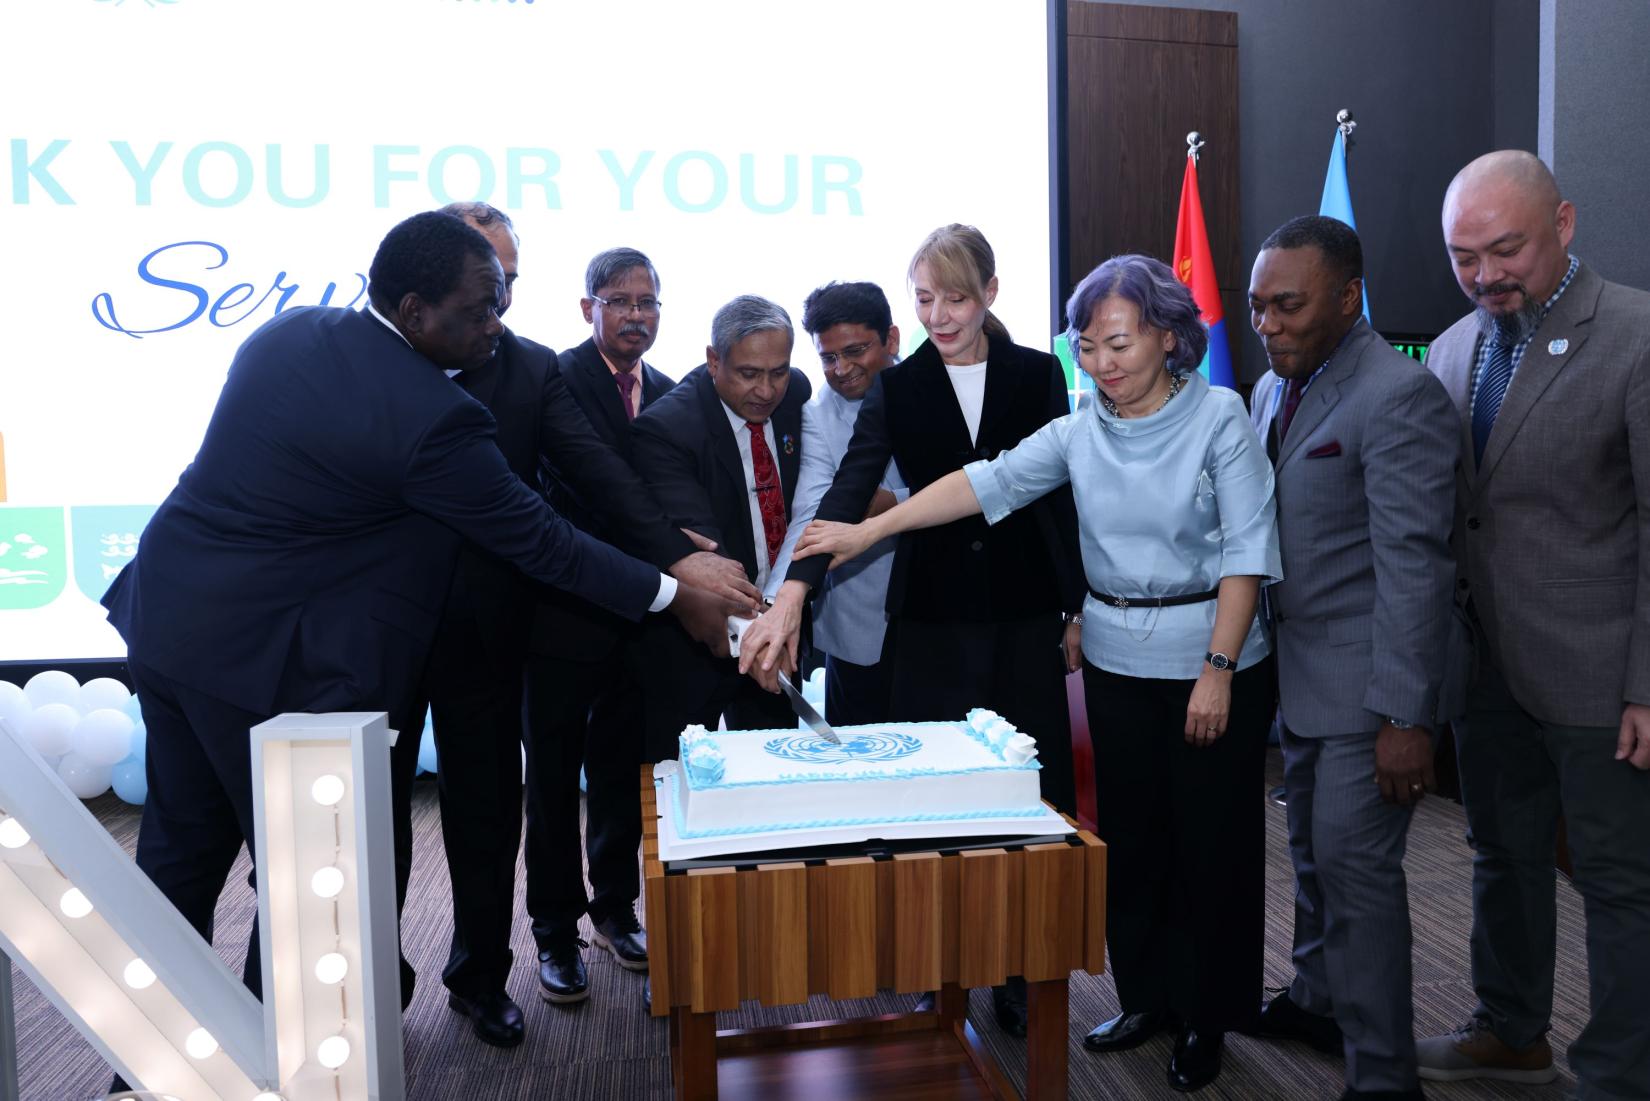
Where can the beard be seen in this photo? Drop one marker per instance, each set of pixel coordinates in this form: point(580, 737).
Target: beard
point(1508, 328)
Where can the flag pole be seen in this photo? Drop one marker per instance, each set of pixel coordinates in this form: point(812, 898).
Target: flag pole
point(1194, 142)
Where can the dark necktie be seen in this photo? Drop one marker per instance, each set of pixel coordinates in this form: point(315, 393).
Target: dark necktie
point(1292, 391)
point(769, 498)
point(1490, 392)
point(627, 386)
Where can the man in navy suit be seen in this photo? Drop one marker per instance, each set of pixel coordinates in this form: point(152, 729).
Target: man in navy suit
point(583, 676)
point(473, 682)
point(303, 560)
point(712, 451)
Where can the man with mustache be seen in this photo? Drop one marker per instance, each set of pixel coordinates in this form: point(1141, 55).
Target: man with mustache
point(473, 683)
point(1551, 377)
point(584, 686)
point(1364, 444)
point(854, 333)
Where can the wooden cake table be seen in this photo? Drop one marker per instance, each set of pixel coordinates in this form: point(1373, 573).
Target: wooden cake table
point(934, 920)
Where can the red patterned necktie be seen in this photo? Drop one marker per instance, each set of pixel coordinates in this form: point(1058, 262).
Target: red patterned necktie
point(769, 498)
point(627, 385)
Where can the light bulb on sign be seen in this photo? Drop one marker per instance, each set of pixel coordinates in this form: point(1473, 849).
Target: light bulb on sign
point(327, 790)
point(12, 834)
point(327, 882)
point(332, 1052)
point(74, 903)
point(200, 1044)
point(139, 975)
point(331, 968)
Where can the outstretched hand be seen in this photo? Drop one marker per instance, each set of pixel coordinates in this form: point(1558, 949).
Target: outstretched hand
point(843, 542)
point(720, 576)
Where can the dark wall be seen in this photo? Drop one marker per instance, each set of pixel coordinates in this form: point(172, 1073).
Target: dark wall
point(1431, 84)
point(1595, 86)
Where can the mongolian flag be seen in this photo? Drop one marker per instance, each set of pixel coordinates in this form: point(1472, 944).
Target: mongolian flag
point(1337, 195)
point(1195, 266)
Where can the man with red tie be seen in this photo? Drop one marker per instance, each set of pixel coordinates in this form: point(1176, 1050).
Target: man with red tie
point(721, 453)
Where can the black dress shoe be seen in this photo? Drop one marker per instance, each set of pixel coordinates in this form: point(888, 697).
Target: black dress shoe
point(495, 1018)
point(1008, 1004)
point(622, 935)
point(1282, 1019)
point(562, 977)
point(1196, 1059)
point(1126, 1030)
point(1383, 1095)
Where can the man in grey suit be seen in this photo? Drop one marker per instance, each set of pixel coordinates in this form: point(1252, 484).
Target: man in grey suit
point(1551, 379)
point(854, 333)
point(1365, 446)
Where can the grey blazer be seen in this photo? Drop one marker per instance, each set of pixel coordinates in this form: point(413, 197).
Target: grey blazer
point(1365, 494)
point(1553, 533)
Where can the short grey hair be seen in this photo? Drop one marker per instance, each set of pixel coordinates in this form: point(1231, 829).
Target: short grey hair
point(481, 215)
point(606, 268)
point(745, 316)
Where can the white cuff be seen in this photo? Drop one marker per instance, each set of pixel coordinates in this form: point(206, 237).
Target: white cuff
point(667, 593)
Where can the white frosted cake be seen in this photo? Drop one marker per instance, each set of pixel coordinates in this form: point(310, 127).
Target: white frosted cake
point(744, 790)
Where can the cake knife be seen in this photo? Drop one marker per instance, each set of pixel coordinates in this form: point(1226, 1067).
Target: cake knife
point(805, 711)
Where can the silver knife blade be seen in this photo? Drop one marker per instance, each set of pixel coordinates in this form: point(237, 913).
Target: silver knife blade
point(805, 711)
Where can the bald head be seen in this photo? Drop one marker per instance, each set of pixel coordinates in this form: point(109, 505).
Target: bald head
point(1508, 234)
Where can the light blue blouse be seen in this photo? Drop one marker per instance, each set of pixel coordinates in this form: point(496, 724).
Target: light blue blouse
point(1167, 504)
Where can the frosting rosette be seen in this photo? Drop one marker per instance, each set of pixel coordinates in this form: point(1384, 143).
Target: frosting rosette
point(704, 762)
point(1020, 749)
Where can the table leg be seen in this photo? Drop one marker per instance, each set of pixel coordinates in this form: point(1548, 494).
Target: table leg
point(693, 1054)
point(951, 1005)
point(1047, 1048)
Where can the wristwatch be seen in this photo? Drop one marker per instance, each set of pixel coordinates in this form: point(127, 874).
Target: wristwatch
point(1218, 660)
point(1072, 617)
point(1399, 724)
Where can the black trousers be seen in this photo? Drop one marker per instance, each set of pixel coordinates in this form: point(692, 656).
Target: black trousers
point(1014, 667)
point(858, 694)
point(473, 689)
point(1185, 838)
point(589, 713)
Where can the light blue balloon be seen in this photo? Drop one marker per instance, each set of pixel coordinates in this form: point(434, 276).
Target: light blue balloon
point(133, 711)
point(130, 782)
point(426, 750)
point(140, 743)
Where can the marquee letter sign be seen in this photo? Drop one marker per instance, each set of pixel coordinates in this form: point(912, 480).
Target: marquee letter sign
point(152, 997)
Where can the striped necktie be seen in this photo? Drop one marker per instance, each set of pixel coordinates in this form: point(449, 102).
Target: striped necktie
point(1490, 392)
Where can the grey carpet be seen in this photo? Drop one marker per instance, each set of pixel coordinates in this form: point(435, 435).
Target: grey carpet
point(607, 1049)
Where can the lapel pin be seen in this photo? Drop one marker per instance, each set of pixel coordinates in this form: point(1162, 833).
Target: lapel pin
point(1558, 347)
point(789, 445)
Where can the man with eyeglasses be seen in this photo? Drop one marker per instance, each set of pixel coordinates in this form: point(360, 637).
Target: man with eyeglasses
point(583, 685)
point(854, 333)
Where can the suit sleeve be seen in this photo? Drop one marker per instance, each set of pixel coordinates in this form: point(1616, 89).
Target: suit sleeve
point(1409, 462)
point(671, 473)
point(458, 476)
point(812, 480)
point(1057, 513)
point(1637, 685)
point(856, 480)
point(600, 476)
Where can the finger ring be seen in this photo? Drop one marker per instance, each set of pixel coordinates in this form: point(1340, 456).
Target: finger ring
point(1415, 787)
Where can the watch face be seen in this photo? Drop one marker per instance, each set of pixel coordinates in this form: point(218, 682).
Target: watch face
point(1220, 661)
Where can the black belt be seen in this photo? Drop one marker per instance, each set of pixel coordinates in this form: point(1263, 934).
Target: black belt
point(1153, 601)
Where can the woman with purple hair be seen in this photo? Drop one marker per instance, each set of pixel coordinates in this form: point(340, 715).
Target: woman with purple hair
point(1177, 528)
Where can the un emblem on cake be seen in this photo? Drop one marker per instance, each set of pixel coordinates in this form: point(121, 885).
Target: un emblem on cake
point(863, 745)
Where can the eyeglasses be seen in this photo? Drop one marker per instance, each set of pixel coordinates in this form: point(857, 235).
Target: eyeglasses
point(830, 360)
point(649, 307)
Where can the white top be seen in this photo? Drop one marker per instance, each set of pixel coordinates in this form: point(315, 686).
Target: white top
point(667, 583)
point(969, 384)
point(742, 436)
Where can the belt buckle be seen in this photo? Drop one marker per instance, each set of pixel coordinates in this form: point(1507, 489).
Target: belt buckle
point(1123, 603)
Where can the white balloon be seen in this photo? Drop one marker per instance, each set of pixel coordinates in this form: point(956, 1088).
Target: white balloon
point(48, 728)
point(103, 737)
point(85, 779)
point(14, 706)
point(102, 692)
point(53, 686)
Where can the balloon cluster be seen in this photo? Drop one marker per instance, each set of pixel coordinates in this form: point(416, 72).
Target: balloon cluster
point(91, 733)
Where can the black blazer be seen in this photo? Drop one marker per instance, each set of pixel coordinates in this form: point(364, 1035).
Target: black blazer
point(685, 450)
point(304, 558)
point(966, 570)
point(540, 421)
point(565, 625)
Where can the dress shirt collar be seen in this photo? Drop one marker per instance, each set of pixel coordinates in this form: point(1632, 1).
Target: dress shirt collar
point(390, 325)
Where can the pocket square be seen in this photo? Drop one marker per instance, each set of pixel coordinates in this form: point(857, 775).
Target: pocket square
point(1325, 451)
